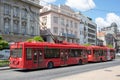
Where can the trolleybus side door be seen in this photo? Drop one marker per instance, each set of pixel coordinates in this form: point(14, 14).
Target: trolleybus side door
point(40, 58)
point(108, 54)
point(63, 57)
point(37, 58)
point(96, 55)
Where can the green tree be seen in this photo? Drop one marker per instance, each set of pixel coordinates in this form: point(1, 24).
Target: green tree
point(30, 40)
point(110, 45)
point(87, 44)
point(3, 43)
point(36, 38)
point(0, 37)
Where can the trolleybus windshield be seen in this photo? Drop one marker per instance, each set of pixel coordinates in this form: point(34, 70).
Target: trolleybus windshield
point(17, 52)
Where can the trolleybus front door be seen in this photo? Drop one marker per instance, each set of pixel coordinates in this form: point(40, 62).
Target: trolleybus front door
point(63, 57)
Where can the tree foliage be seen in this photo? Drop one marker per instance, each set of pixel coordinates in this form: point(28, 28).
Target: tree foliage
point(110, 45)
point(36, 38)
point(0, 37)
point(3, 43)
point(30, 40)
point(87, 44)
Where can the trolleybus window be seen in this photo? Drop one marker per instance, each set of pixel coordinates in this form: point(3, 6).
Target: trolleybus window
point(52, 53)
point(95, 52)
point(28, 53)
point(35, 57)
point(101, 52)
point(89, 52)
point(17, 52)
point(75, 53)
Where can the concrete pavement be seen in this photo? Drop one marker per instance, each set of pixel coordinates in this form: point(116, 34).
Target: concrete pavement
point(112, 73)
point(4, 68)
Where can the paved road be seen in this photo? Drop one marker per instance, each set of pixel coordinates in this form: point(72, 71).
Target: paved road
point(49, 74)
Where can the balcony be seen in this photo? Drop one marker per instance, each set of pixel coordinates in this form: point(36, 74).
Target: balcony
point(91, 40)
point(69, 35)
point(92, 26)
point(92, 32)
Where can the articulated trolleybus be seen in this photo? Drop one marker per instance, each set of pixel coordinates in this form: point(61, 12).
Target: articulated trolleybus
point(34, 55)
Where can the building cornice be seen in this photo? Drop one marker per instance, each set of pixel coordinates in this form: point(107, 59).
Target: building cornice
point(50, 11)
point(33, 3)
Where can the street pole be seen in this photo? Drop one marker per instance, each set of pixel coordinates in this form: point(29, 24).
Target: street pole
point(66, 31)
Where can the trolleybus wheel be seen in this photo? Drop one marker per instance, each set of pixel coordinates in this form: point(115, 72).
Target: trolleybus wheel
point(80, 62)
point(101, 60)
point(50, 65)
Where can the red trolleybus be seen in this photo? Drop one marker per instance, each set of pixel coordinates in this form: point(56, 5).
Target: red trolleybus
point(109, 53)
point(33, 55)
point(96, 53)
point(93, 53)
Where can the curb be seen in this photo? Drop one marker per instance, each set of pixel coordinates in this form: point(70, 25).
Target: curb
point(4, 68)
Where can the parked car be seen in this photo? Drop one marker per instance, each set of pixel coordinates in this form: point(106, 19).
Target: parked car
point(118, 54)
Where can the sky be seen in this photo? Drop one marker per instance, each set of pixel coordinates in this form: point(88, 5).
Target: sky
point(103, 12)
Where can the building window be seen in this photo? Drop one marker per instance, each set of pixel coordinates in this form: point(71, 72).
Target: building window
point(55, 30)
point(62, 21)
point(32, 16)
point(32, 30)
point(71, 23)
point(15, 27)
point(7, 25)
point(7, 9)
point(76, 33)
point(81, 32)
point(24, 28)
point(67, 23)
point(76, 25)
point(37, 16)
point(44, 19)
point(55, 19)
point(71, 32)
point(16, 11)
point(62, 30)
point(24, 14)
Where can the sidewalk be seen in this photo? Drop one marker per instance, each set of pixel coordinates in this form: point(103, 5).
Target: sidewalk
point(112, 73)
point(4, 68)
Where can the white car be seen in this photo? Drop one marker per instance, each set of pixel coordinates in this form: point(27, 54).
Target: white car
point(118, 54)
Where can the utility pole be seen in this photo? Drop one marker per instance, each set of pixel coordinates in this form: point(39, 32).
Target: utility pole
point(66, 32)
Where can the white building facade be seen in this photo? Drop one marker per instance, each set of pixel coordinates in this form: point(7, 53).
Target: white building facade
point(110, 35)
point(62, 22)
point(88, 30)
point(19, 19)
